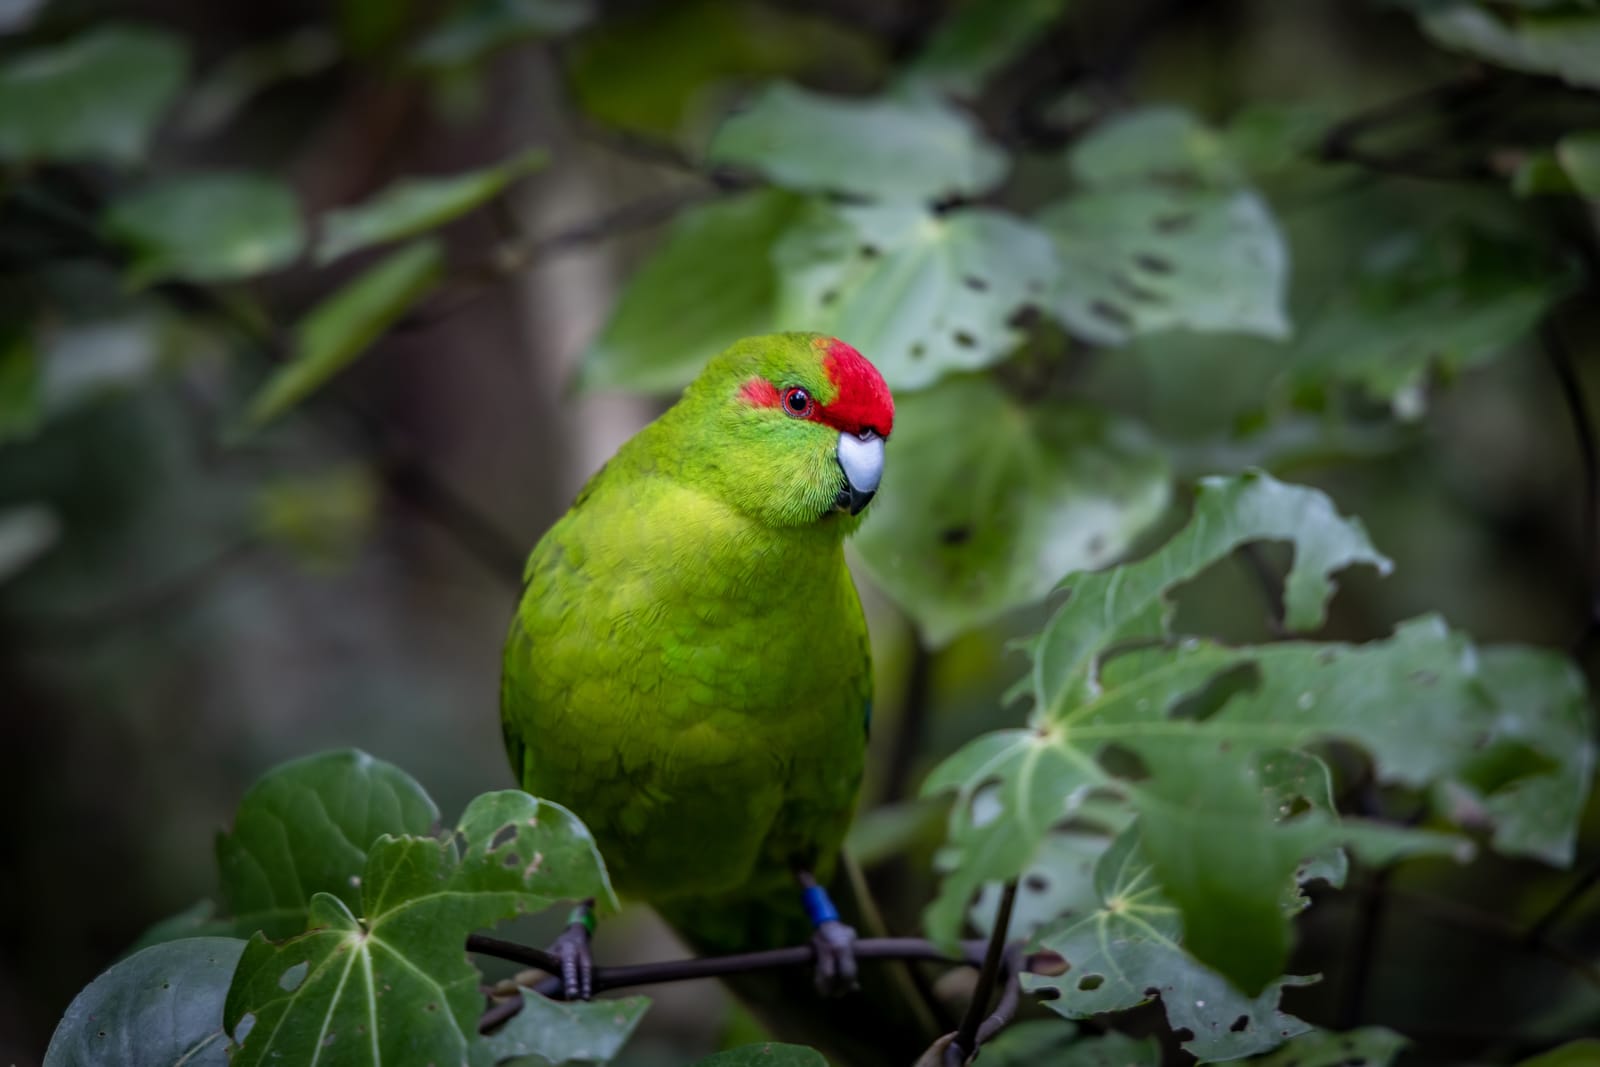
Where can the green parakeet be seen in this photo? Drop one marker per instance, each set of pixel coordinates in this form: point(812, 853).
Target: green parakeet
point(689, 668)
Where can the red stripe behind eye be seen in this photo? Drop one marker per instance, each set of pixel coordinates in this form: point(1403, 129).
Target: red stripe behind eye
point(760, 392)
point(861, 402)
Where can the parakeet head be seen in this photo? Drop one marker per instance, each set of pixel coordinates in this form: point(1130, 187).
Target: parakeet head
point(789, 428)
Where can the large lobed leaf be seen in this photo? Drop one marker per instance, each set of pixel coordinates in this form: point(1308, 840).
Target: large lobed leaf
point(161, 1005)
point(1195, 737)
point(305, 829)
point(1163, 234)
point(906, 148)
point(392, 984)
point(549, 1031)
point(989, 501)
point(710, 283)
point(922, 294)
point(1563, 43)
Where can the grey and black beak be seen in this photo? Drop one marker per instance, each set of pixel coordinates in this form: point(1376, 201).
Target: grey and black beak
point(860, 457)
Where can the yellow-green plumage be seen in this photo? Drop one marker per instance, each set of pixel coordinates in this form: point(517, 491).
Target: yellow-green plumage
point(689, 668)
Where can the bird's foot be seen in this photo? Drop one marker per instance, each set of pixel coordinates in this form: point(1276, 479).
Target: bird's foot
point(834, 944)
point(577, 963)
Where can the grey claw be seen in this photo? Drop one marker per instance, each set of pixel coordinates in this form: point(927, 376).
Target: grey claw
point(834, 944)
point(577, 964)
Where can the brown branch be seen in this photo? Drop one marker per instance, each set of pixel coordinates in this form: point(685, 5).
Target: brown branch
point(965, 1045)
point(872, 948)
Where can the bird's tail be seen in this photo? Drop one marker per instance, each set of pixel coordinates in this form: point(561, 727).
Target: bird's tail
point(887, 1021)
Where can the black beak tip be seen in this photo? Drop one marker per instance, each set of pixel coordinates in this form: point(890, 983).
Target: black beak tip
point(852, 499)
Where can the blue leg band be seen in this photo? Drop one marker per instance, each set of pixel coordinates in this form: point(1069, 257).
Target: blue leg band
point(818, 905)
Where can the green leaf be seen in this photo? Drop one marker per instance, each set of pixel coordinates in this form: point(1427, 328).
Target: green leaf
point(710, 283)
point(1538, 774)
point(1162, 236)
point(1058, 1043)
point(20, 378)
point(162, 1005)
point(977, 40)
point(306, 828)
point(766, 1054)
point(475, 29)
point(1579, 155)
point(1566, 44)
point(922, 295)
point(1370, 1046)
point(94, 98)
point(1581, 1053)
point(1452, 297)
point(1127, 951)
point(415, 205)
point(1199, 730)
point(549, 1032)
point(907, 148)
point(26, 533)
point(207, 228)
point(989, 501)
point(394, 985)
point(341, 327)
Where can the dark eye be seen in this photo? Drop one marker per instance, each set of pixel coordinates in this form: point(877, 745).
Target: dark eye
point(797, 402)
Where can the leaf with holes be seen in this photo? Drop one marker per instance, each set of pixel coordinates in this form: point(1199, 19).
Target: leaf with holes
point(990, 501)
point(305, 828)
point(1127, 951)
point(1566, 44)
point(1162, 236)
point(415, 205)
point(162, 1004)
point(710, 283)
point(1192, 733)
point(341, 327)
point(394, 986)
point(548, 1031)
point(95, 97)
point(207, 228)
point(907, 148)
point(977, 40)
point(923, 295)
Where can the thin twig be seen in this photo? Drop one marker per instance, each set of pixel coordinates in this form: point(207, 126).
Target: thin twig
point(966, 1042)
point(1340, 142)
point(499, 1013)
point(874, 948)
